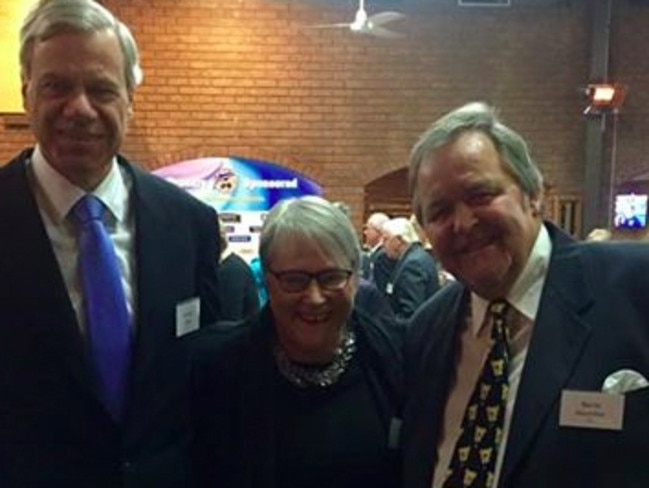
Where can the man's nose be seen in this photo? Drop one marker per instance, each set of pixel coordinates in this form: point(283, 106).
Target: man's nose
point(79, 104)
point(463, 217)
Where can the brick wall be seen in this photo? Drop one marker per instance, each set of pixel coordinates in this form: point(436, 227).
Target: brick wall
point(245, 78)
point(630, 66)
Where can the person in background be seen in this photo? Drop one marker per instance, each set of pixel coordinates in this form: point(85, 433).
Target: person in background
point(368, 297)
point(307, 394)
point(372, 231)
point(376, 266)
point(560, 325)
point(414, 278)
point(62, 424)
point(443, 276)
point(238, 294)
point(258, 275)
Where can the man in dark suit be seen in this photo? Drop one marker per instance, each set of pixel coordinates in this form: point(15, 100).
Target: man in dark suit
point(79, 69)
point(577, 399)
point(414, 277)
point(376, 266)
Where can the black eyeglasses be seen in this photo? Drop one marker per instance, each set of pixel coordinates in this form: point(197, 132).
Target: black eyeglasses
point(298, 281)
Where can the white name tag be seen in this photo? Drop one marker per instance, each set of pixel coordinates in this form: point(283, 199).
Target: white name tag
point(188, 315)
point(591, 410)
point(389, 288)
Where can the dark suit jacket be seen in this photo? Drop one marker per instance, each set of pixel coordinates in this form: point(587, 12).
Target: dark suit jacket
point(376, 267)
point(54, 432)
point(371, 301)
point(413, 280)
point(593, 320)
point(238, 297)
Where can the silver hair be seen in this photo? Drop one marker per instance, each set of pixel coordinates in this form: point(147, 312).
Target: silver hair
point(317, 220)
point(52, 17)
point(478, 116)
point(377, 219)
point(402, 228)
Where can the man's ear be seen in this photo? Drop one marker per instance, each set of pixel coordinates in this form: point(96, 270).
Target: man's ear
point(536, 205)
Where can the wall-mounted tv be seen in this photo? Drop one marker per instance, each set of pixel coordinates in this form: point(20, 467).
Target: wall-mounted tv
point(630, 211)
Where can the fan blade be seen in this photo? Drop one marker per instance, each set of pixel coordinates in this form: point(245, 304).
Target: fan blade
point(379, 31)
point(383, 18)
point(371, 25)
point(328, 26)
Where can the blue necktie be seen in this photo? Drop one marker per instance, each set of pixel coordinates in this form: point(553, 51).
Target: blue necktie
point(107, 321)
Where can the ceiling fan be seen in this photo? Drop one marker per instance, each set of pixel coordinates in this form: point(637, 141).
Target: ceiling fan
point(368, 24)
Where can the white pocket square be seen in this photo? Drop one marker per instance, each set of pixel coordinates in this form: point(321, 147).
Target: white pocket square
point(624, 381)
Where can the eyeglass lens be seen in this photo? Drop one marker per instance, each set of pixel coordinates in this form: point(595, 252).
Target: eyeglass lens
point(294, 281)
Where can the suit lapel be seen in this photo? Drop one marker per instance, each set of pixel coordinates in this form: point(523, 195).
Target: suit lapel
point(434, 339)
point(152, 231)
point(557, 342)
point(400, 264)
point(30, 268)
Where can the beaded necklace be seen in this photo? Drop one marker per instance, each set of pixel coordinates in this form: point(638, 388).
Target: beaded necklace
point(303, 376)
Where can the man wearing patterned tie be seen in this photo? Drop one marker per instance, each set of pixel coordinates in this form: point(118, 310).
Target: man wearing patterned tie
point(92, 380)
point(506, 367)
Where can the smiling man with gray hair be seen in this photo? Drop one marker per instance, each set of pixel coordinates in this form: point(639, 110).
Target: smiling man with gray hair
point(507, 368)
point(104, 267)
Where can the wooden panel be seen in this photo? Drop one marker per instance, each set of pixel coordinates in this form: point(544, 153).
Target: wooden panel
point(565, 211)
point(388, 194)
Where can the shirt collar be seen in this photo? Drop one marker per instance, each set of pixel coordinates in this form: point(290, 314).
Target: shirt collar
point(376, 247)
point(525, 294)
point(62, 194)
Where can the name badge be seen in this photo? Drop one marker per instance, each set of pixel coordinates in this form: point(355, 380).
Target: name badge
point(591, 410)
point(389, 288)
point(188, 313)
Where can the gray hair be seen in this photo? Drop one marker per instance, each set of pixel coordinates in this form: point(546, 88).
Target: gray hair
point(402, 228)
point(52, 17)
point(478, 116)
point(317, 220)
point(377, 219)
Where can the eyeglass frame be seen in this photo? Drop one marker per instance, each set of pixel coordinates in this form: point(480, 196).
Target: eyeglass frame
point(280, 275)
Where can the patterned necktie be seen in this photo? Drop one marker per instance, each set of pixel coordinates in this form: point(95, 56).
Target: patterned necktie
point(107, 321)
point(474, 458)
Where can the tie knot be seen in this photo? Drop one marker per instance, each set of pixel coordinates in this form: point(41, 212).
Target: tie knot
point(498, 307)
point(88, 208)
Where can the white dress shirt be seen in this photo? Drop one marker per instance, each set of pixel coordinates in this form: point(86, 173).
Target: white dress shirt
point(56, 196)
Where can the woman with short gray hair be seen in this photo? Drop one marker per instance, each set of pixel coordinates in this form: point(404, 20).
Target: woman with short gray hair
point(307, 394)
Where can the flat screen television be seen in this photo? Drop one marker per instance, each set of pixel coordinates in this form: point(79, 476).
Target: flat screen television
point(630, 211)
